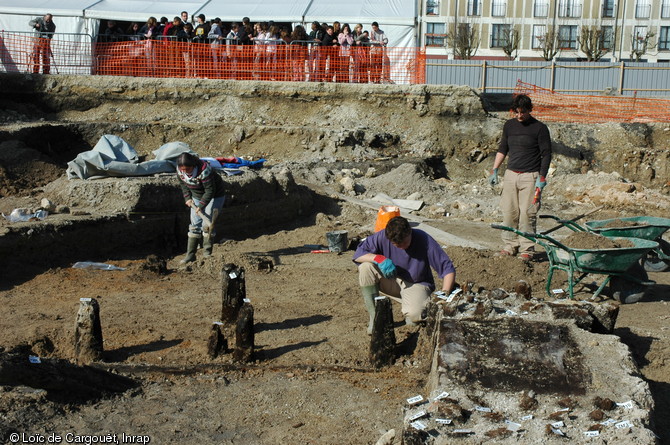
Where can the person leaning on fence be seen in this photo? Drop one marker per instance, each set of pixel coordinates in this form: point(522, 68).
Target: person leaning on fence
point(112, 33)
point(234, 50)
point(378, 41)
point(527, 143)
point(315, 55)
point(45, 28)
point(330, 49)
point(397, 261)
point(346, 41)
point(150, 29)
point(361, 52)
point(216, 41)
point(299, 53)
point(204, 193)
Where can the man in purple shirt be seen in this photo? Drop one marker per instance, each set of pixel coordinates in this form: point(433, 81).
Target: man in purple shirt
point(397, 261)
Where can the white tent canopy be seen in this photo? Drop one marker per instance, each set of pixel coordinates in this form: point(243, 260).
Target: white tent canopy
point(141, 10)
point(256, 10)
point(396, 17)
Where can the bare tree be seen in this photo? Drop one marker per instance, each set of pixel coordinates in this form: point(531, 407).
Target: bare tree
point(592, 42)
point(510, 42)
point(640, 44)
point(463, 38)
point(549, 43)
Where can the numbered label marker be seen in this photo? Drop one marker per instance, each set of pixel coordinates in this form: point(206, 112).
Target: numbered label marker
point(442, 395)
point(85, 300)
point(626, 405)
point(414, 400)
point(483, 409)
point(622, 425)
point(591, 433)
point(418, 415)
point(443, 421)
point(418, 425)
point(232, 275)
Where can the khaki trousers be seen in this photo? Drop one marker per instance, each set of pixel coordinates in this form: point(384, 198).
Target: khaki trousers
point(518, 209)
point(414, 297)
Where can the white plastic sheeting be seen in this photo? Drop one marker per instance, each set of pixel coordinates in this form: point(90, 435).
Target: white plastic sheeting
point(141, 10)
point(256, 10)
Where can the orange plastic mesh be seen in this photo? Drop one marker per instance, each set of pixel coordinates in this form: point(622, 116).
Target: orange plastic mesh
point(273, 62)
point(556, 107)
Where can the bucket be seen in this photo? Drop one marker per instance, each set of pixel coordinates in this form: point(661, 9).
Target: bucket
point(384, 215)
point(337, 240)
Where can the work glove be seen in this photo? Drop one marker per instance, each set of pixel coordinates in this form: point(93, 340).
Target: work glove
point(540, 182)
point(386, 266)
point(493, 178)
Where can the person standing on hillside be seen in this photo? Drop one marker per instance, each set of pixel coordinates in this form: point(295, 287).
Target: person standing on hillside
point(397, 261)
point(527, 142)
point(204, 193)
point(45, 28)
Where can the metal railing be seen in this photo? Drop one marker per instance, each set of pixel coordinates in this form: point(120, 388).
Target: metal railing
point(569, 9)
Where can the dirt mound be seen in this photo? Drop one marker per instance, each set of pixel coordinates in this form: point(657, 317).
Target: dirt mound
point(587, 240)
point(23, 169)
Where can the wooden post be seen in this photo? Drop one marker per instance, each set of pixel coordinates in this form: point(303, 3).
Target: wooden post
point(382, 342)
point(244, 334)
point(217, 342)
point(87, 332)
point(233, 292)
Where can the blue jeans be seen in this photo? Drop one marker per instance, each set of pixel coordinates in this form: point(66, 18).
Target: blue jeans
point(212, 211)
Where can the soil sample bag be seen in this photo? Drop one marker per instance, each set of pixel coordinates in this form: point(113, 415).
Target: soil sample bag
point(384, 215)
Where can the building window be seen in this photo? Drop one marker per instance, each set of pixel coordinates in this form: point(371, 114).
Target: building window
point(608, 8)
point(432, 7)
point(436, 34)
point(500, 35)
point(665, 9)
point(541, 8)
point(567, 36)
point(639, 36)
point(664, 38)
point(642, 9)
point(539, 34)
point(474, 7)
point(498, 8)
point(570, 8)
point(608, 37)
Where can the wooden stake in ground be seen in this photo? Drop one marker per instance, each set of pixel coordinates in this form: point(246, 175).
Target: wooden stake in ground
point(217, 342)
point(244, 334)
point(382, 342)
point(233, 292)
point(87, 332)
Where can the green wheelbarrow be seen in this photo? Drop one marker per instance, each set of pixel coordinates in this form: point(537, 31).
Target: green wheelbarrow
point(627, 282)
point(645, 227)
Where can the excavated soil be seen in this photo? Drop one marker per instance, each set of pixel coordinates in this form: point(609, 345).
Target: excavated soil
point(587, 240)
point(310, 380)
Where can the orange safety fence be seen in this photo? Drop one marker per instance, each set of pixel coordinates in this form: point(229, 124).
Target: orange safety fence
point(272, 61)
point(551, 106)
point(63, 54)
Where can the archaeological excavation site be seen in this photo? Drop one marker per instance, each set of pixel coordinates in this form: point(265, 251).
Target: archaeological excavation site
point(108, 337)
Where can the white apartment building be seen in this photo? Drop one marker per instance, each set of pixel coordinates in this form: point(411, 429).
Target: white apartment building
point(626, 26)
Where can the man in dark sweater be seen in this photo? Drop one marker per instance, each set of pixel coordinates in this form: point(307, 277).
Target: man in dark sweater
point(527, 143)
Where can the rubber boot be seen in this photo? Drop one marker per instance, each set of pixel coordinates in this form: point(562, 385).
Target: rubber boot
point(369, 294)
point(191, 248)
point(206, 245)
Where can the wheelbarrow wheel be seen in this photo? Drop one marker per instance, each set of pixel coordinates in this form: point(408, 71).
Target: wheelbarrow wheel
point(626, 291)
point(651, 261)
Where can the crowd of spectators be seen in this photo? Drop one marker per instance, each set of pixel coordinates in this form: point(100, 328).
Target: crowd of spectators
point(267, 50)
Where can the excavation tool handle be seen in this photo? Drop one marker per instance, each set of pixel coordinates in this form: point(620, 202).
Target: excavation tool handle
point(201, 214)
point(569, 222)
point(534, 237)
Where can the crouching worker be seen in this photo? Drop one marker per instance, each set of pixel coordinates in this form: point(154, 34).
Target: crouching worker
point(203, 191)
point(398, 261)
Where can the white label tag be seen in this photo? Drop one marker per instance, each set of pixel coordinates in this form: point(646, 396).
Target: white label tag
point(381, 297)
point(558, 424)
point(608, 422)
point(510, 312)
point(34, 359)
point(557, 432)
point(453, 295)
point(418, 415)
point(246, 300)
point(512, 426)
point(622, 425)
point(232, 275)
point(440, 294)
point(443, 421)
point(418, 425)
point(414, 400)
point(442, 395)
point(463, 431)
point(563, 410)
point(592, 433)
point(483, 409)
point(557, 291)
point(218, 323)
point(85, 300)
point(528, 417)
point(626, 405)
